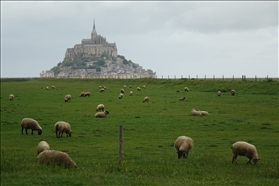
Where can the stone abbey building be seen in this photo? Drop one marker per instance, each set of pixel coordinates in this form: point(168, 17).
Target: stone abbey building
point(97, 45)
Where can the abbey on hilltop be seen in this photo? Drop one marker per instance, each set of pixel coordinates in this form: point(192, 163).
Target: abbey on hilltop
point(96, 58)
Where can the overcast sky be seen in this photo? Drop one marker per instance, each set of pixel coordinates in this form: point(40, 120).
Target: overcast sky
point(171, 38)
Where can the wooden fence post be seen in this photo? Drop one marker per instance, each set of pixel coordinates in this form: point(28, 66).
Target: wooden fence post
point(121, 140)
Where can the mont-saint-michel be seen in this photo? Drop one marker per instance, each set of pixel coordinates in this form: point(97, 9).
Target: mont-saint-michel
point(96, 58)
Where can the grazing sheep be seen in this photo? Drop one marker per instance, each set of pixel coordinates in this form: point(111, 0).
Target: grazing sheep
point(219, 93)
point(62, 126)
point(241, 148)
point(53, 87)
point(43, 145)
point(186, 89)
point(102, 90)
point(143, 86)
point(46, 88)
point(67, 98)
point(101, 114)
point(120, 96)
point(29, 123)
point(11, 97)
point(81, 94)
point(87, 94)
point(138, 88)
point(131, 93)
point(195, 112)
point(181, 99)
point(183, 145)
point(232, 92)
point(100, 107)
point(122, 91)
point(146, 99)
point(102, 87)
point(130, 86)
point(55, 157)
point(125, 86)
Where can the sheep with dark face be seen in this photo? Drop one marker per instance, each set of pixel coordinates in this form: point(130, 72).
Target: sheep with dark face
point(131, 93)
point(242, 148)
point(60, 127)
point(67, 98)
point(29, 123)
point(181, 99)
point(81, 94)
point(183, 145)
point(120, 96)
point(87, 94)
point(101, 114)
point(11, 97)
point(232, 92)
point(219, 93)
point(186, 89)
point(145, 99)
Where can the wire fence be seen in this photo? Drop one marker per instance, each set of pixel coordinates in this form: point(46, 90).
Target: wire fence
point(243, 77)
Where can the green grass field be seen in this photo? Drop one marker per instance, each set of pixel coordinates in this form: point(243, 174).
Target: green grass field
point(149, 131)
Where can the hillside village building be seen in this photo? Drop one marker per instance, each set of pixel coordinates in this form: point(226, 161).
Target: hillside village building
point(96, 46)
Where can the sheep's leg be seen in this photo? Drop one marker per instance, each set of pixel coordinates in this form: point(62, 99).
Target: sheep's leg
point(32, 132)
point(249, 162)
point(26, 130)
point(234, 159)
point(21, 130)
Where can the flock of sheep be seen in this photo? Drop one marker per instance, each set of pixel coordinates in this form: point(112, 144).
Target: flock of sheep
point(182, 144)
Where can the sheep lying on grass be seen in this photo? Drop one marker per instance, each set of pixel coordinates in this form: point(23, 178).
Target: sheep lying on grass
point(43, 145)
point(241, 148)
point(183, 145)
point(67, 98)
point(29, 123)
point(62, 126)
point(219, 93)
point(102, 90)
point(100, 107)
point(146, 99)
point(195, 112)
point(11, 97)
point(181, 99)
point(101, 114)
point(54, 157)
point(232, 92)
point(204, 113)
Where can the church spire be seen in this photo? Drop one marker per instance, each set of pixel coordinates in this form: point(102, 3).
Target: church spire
point(93, 31)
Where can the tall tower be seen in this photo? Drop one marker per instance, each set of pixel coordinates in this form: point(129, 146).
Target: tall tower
point(93, 31)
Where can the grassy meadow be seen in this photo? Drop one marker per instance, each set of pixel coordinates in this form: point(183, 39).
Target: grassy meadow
point(149, 131)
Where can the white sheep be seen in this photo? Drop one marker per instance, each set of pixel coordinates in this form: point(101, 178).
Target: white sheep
point(102, 90)
point(102, 87)
point(120, 96)
point(145, 99)
point(43, 145)
point(67, 98)
point(219, 93)
point(46, 87)
point(186, 89)
point(138, 88)
point(81, 94)
point(143, 86)
point(232, 92)
point(125, 86)
point(122, 91)
point(87, 94)
point(53, 87)
point(131, 93)
point(100, 107)
point(181, 99)
point(29, 123)
point(55, 157)
point(183, 145)
point(241, 148)
point(62, 126)
point(195, 112)
point(11, 97)
point(101, 114)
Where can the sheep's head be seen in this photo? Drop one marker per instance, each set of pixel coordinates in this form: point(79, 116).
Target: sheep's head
point(107, 112)
point(255, 160)
point(180, 154)
point(40, 131)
